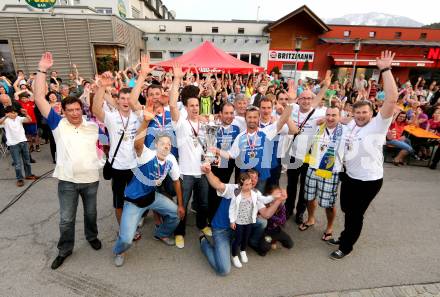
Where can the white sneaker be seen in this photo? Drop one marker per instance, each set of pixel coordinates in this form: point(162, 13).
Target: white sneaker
point(119, 260)
point(236, 262)
point(243, 257)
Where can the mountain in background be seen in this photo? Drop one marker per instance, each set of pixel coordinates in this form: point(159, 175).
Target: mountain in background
point(374, 19)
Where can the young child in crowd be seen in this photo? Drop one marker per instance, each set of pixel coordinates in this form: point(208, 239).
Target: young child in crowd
point(242, 214)
point(17, 143)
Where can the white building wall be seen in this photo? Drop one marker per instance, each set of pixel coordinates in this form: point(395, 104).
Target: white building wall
point(176, 39)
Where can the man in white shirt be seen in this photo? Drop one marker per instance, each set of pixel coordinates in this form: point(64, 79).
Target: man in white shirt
point(77, 164)
point(190, 149)
point(325, 163)
point(364, 158)
point(122, 125)
point(305, 117)
point(17, 143)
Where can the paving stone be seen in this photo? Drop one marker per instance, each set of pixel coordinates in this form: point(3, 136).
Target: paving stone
point(377, 293)
point(354, 294)
point(398, 292)
point(431, 288)
point(366, 293)
point(420, 289)
point(388, 292)
point(332, 294)
point(409, 291)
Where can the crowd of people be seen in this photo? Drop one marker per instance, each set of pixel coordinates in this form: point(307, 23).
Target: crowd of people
point(151, 132)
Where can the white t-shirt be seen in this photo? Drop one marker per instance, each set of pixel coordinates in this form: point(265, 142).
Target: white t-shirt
point(14, 130)
point(322, 141)
point(240, 122)
point(363, 148)
point(190, 149)
point(303, 141)
point(126, 156)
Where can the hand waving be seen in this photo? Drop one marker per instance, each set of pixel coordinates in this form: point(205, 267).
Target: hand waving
point(385, 60)
point(177, 71)
point(145, 65)
point(46, 61)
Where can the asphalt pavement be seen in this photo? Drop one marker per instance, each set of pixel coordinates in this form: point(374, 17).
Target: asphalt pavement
point(399, 245)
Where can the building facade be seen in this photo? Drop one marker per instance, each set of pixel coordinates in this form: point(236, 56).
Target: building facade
point(166, 39)
point(139, 9)
point(93, 42)
point(350, 49)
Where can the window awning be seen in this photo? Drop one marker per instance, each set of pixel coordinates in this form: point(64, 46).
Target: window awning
point(369, 60)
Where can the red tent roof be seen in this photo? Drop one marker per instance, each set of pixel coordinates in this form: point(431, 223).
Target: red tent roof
point(208, 58)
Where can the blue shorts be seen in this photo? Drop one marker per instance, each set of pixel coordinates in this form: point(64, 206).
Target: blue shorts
point(30, 129)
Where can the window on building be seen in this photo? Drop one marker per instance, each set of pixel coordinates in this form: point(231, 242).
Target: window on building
point(104, 10)
point(240, 31)
point(76, 2)
point(423, 35)
point(233, 54)
point(135, 13)
point(188, 29)
point(244, 57)
point(214, 29)
point(288, 67)
point(372, 34)
point(347, 33)
point(255, 59)
point(155, 55)
point(397, 35)
point(162, 28)
point(175, 54)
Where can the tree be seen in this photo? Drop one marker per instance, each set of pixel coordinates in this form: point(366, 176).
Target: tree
point(432, 26)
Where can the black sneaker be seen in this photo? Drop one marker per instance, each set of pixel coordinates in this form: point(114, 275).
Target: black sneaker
point(95, 244)
point(334, 241)
point(59, 260)
point(33, 161)
point(337, 255)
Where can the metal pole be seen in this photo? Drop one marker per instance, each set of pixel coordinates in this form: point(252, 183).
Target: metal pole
point(354, 68)
point(296, 66)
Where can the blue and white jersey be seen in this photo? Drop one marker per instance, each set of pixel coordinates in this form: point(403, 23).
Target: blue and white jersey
point(150, 172)
point(254, 150)
point(158, 124)
point(225, 137)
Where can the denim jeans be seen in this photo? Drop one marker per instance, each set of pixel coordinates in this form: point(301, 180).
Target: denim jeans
point(219, 254)
point(403, 145)
point(198, 186)
point(20, 152)
point(68, 194)
point(131, 214)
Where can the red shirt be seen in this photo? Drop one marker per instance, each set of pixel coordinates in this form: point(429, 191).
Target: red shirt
point(434, 126)
point(29, 106)
point(399, 127)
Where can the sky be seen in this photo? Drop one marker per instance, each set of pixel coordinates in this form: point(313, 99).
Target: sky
point(426, 12)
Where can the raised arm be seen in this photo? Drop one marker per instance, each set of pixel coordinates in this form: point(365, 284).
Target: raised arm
point(141, 133)
point(174, 92)
point(287, 112)
point(105, 81)
point(268, 212)
point(213, 180)
point(325, 84)
point(39, 85)
point(145, 70)
point(292, 90)
point(389, 85)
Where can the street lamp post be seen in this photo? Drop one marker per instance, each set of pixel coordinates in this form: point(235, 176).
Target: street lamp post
point(298, 43)
point(356, 49)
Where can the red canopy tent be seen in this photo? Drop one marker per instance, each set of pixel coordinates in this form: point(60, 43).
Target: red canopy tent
point(209, 59)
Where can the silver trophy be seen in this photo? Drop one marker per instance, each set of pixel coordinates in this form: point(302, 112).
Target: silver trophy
point(209, 140)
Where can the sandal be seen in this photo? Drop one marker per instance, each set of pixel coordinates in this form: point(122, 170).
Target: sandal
point(304, 226)
point(137, 235)
point(327, 236)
